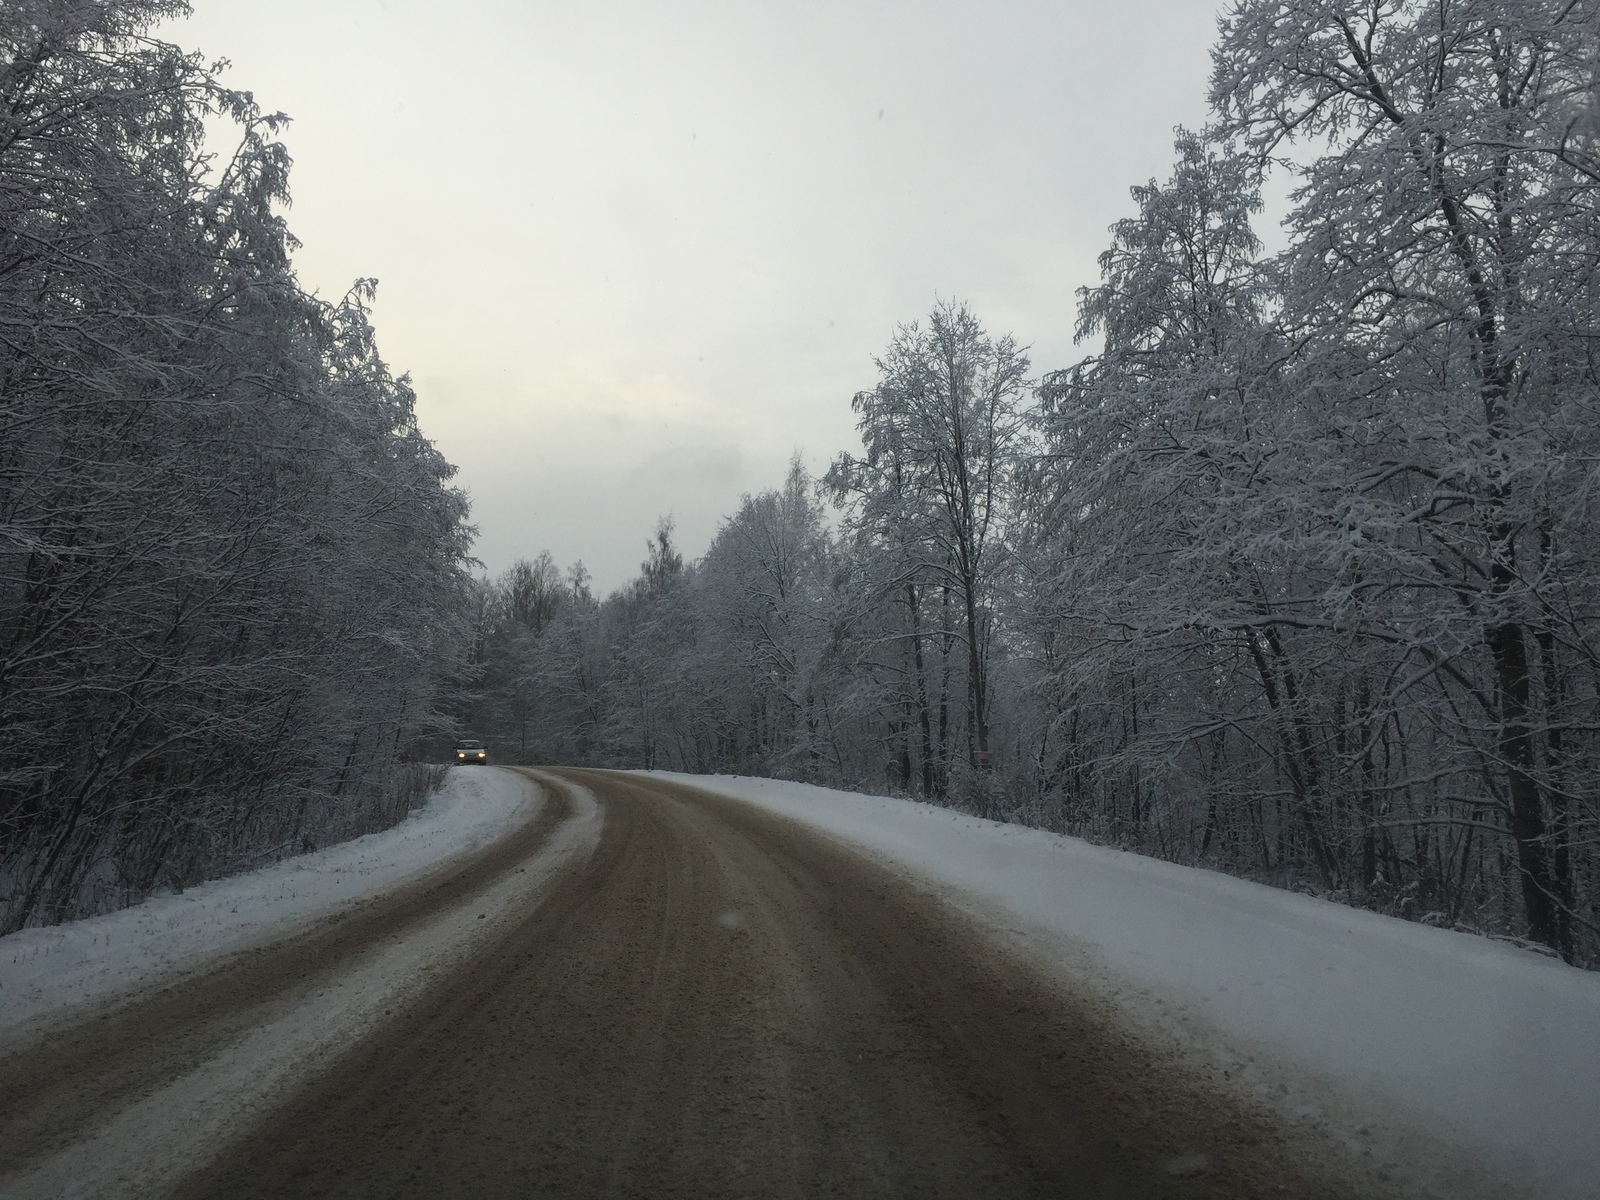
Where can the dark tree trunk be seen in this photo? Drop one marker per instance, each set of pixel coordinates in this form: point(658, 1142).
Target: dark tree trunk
point(946, 640)
point(1509, 650)
point(1298, 750)
point(923, 718)
point(976, 698)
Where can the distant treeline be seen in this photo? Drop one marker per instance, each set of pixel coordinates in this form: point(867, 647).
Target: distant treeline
point(231, 568)
point(1297, 577)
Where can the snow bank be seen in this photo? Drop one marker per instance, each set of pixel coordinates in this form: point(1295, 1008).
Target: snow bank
point(46, 970)
point(143, 1149)
point(1491, 1049)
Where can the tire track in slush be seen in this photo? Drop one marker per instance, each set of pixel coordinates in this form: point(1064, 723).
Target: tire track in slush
point(723, 1003)
point(116, 1103)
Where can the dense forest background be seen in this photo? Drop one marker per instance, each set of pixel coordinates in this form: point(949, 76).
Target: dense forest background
point(1297, 578)
point(232, 570)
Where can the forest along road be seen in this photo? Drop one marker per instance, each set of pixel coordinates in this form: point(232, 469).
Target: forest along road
point(721, 1003)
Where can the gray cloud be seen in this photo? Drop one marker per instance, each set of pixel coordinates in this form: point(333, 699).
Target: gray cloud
point(606, 230)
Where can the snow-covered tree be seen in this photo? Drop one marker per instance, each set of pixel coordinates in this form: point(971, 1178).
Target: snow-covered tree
point(942, 434)
point(1440, 293)
point(230, 564)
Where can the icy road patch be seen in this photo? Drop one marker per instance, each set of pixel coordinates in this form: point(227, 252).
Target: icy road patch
point(48, 970)
point(1334, 1014)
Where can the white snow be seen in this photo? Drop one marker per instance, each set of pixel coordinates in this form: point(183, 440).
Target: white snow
point(1491, 1050)
point(46, 970)
point(153, 1141)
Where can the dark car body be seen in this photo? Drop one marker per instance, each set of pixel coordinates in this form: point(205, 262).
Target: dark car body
point(469, 751)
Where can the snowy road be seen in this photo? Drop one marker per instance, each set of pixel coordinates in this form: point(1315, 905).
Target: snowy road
point(133, 1046)
point(723, 1003)
point(645, 990)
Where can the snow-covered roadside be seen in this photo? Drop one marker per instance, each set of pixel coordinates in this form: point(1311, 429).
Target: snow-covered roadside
point(45, 971)
point(1492, 1050)
point(143, 1148)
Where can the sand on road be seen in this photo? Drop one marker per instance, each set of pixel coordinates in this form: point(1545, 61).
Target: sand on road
point(723, 1003)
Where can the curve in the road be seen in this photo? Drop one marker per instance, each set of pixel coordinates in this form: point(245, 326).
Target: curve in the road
point(723, 1003)
point(112, 1102)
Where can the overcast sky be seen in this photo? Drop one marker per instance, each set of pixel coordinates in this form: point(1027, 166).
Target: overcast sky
point(636, 255)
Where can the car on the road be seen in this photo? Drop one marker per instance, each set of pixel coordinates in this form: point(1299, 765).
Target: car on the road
point(472, 752)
